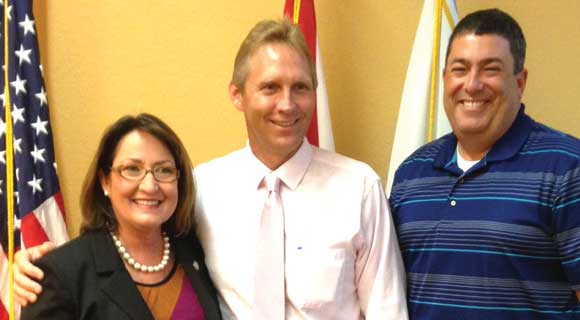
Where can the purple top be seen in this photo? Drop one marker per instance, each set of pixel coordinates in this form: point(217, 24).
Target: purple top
point(188, 306)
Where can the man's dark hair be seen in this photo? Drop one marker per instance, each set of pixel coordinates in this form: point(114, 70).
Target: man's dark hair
point(493, 21)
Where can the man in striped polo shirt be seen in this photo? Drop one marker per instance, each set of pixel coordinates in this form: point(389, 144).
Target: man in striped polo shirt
point(489, 216)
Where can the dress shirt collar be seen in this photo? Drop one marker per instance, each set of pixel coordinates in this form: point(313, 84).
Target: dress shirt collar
point(253, 168)
point(290, 172)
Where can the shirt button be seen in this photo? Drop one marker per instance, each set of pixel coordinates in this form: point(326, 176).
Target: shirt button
point(453, 203)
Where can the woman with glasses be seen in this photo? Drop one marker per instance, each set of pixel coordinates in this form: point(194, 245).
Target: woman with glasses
point(136, 257)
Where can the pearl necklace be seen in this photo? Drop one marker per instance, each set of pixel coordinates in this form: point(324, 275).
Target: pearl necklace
point(141, 267)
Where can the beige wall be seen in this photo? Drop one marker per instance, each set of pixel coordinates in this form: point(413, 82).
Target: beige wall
point(106, 58)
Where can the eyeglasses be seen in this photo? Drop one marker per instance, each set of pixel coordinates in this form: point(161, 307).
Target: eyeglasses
point(137, 173)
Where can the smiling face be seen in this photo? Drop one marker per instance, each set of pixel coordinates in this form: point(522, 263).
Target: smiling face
point(140, 205)
point(481, 92)
point(277, 101)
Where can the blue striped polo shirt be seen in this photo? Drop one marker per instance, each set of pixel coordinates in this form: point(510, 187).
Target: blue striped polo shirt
point(500, 241)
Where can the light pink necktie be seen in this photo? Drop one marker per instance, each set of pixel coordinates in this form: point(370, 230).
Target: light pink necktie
point(269, 291)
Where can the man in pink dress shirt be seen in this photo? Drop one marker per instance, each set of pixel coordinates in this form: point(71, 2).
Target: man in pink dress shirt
point(342, 259)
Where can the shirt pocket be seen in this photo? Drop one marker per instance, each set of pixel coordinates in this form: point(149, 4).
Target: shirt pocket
point(314, 276)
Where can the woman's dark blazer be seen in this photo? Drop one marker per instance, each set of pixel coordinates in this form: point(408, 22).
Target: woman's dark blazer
point(86, 279)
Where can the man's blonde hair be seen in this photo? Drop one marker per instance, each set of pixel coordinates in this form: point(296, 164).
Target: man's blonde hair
point(266, 32)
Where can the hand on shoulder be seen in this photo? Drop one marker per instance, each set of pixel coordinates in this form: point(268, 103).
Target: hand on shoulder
point(27, 275)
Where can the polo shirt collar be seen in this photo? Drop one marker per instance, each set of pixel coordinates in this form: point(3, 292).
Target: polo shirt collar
point(512, 141)
point(506, 147)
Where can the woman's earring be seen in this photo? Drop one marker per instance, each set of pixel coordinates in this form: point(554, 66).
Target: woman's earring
point(106, 193)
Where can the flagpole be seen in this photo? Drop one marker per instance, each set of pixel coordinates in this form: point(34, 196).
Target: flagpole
point(434, 67)
point(296, 15)
point(9, 169)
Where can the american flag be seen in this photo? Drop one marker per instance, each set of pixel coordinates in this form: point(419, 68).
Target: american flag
point(38, 206)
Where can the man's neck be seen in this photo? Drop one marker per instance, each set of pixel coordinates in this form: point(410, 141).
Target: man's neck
point(474, 146)
point(471, 149)
point(273, 160)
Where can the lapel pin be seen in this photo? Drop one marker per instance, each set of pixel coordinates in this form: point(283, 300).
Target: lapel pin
point(195, 265)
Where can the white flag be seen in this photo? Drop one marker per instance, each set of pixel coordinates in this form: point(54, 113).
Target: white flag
point(413, 121)
point(325, 137)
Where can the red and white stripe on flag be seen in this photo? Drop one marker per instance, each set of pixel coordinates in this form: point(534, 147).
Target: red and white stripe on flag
point(38, 212)
point(3, 283)
point(301, 12)
point(45, 223)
